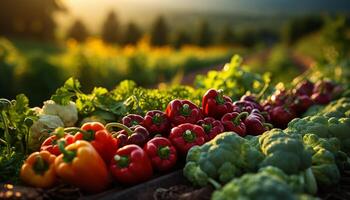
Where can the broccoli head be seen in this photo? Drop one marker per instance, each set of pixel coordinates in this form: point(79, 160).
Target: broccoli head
point(270, 183)
point(284, 151)
point(226, 156)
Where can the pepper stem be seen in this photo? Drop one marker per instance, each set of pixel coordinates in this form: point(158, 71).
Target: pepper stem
point(40, 165)
point(87, 135)
point(68, 156)
point(189, 136)
point(156, 119)
point(207, 127)
point(220, 98)
point(214, 183)
point(110, 126)
point(163, 152)
point(268, 126)
point(134, 123)
point(122, 161)
point(239, 117)
point(59, 132)
point(185, 110)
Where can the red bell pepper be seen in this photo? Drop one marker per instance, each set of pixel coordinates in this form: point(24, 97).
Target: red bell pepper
point(234, 122)
point(183, 111)
point(304, 88)
point(162, 153)
point(99, 137)
point(156, 122)
point(132, 120)
point(131, 165)
point(51, 143)
point(243, 106)
point(255, 123)
point(211, 126)
point(215, 104)
point(186, 136)
point(252, 99)
point(324, 86)
point(301, 103)
point(134, 135)
point(321, 98)
point(281, 116)
point(280, 97)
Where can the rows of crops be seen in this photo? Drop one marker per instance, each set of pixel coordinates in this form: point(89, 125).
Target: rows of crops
point(95, 64)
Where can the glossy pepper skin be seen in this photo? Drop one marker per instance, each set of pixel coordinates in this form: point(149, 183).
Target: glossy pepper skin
point(279, 97)
point(324, 86)
point(304, 88)
point(50, 144)
point(234, 122)
point(185, 136)
point(134, 135)
point(156, 122)
point(39, 170)
point(246, 106)
point(211, 127)
point(131, 165)
point(132, 120)
point(161, 153)
point(321, 98)
point(81, 165)
point(100, 138)
point(301, 103)
point(183, 111)
point(281, 116)
point(255, 123)
point(215, 104)
point(253, 99)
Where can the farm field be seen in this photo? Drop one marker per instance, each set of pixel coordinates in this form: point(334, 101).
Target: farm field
point(199, 104)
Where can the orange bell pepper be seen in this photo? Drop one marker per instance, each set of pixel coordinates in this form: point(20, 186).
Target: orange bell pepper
point(39, 170)
point(81, 165)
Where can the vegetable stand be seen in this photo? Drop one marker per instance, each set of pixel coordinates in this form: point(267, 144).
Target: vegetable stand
point(269, 141)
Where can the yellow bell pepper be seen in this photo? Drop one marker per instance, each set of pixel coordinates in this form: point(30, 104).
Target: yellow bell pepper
point(39, 170)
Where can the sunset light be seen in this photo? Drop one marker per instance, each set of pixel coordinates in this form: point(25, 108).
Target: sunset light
point(175, 99)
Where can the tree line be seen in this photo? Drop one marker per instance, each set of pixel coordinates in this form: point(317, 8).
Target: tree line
point(160, 33)
point(35, 19)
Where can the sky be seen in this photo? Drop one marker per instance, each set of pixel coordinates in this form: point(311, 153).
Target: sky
point(93, 12)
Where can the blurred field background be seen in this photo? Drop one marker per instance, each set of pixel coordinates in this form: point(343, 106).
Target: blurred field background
point(43, 42)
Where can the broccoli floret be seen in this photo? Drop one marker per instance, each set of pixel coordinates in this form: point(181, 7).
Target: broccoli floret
point(324, 165)
point(270, 183)
point(284, 151)
point(226, 156)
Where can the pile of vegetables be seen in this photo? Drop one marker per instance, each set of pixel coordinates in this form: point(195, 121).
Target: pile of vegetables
point(245, 146)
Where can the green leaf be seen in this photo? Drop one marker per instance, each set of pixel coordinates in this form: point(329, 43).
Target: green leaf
point(70, 89)
point(72, 84)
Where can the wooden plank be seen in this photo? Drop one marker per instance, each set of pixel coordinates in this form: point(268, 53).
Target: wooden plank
point(142, 191)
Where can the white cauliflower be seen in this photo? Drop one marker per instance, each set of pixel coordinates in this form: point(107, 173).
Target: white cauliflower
point(37, 110)
point(42, 128)
point(67, 113)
